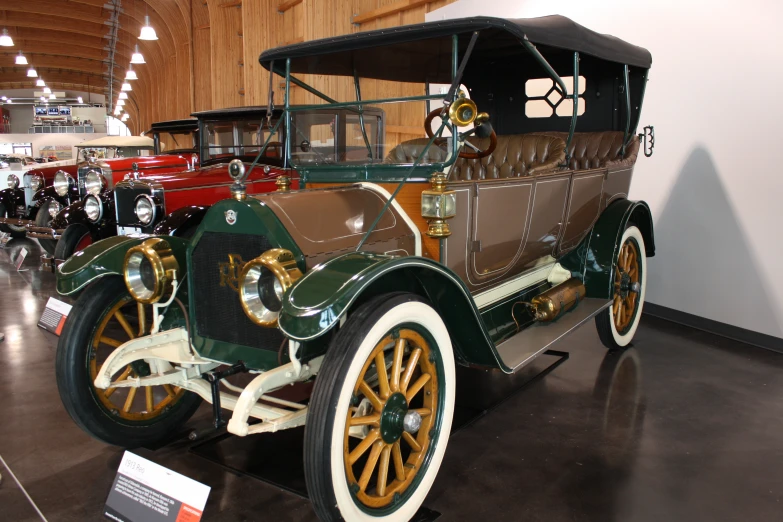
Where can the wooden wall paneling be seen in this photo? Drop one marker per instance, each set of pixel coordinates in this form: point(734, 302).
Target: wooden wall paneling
point(202, 56)
point(227, 52)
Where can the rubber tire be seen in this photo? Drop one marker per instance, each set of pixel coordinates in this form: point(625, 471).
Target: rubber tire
point(330, 498)
point(76, 387)
point(43, 219)
point(66, 245)
point(604, 321)
point(14, 231)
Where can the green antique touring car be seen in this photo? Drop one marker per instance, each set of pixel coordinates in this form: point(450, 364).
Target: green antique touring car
point(481, 241)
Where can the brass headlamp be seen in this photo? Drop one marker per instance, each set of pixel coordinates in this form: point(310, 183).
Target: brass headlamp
point(262, 283)
point(438, 205)
point(149, 270)
point(462, 111)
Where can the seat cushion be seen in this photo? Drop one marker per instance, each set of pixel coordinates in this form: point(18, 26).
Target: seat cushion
point(409, 151)
point(516, 155)
point(592, 150)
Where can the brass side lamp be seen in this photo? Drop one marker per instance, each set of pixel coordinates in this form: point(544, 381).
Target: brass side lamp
point(438, 205)
point(283, 184)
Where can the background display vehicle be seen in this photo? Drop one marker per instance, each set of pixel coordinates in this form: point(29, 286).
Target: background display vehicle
point(482, 248)
point(106, 161)
point(31, 199)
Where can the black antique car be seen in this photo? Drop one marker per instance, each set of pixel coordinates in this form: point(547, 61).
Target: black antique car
point(482, 247)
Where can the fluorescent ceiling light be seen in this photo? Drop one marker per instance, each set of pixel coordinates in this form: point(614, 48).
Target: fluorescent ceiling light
point(5, 40)
point(147, 32)
point(137, 57)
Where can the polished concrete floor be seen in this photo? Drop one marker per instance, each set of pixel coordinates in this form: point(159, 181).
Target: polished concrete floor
point(682, 426)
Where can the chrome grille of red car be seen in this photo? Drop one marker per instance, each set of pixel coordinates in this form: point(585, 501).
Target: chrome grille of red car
point(218, 311)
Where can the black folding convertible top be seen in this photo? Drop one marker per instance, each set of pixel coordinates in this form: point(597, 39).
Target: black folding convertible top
point(189, 124)
point(395, 52)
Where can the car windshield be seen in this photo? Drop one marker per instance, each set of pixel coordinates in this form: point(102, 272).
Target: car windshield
point(349, 132)
point(175, 142)
point(228, 139)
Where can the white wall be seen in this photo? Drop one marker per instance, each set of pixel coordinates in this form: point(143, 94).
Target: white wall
point(714, 183)
point(39, 140)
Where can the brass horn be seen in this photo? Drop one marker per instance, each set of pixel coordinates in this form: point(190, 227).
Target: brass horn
point(463, 111)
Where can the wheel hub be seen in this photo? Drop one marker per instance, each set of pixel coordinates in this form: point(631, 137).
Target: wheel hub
point(625, 284)
point(393, 417)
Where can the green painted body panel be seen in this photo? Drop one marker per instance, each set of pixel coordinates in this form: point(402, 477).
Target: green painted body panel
point(106, 257)
point(253, 218)
point(315, 304)
point(594, 257)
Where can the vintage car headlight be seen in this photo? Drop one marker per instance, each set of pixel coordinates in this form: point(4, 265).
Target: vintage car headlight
point(94, 182)
point(13, 181)
point(150, 267)
point(263, 282)
point(54, 208)
point(36, 182)
point(145, 209)
point(93, 208)
point(62, 182)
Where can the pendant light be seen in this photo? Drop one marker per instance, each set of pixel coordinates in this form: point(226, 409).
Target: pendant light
point(125, 117)
point(117, 110)
point(40, 83)
point(126, 87)
point(147, 32)
point(47, 90)
point(137, 57)
point(123, 96)
point(130, 74)
point(4, 98)
point(5, 40)
point(32, 73)
point(80, 99)
point(52, 96)
point(20, 59)
point(120, 103)
point(43, 99)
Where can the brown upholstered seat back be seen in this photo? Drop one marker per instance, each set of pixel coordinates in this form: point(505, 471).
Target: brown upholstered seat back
point(516, 155)
point(409, 151)
point(591, 150)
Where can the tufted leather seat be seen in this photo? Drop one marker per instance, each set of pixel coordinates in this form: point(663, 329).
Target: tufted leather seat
point(591, 150)
point(409, 151)
point(516, 155)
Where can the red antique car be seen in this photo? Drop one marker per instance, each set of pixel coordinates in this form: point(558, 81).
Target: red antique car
point(174, 147)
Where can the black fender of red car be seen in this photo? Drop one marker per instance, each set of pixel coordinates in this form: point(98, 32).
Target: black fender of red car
point(11, 199)
point(47, 194)
point(75, 215)
point(182, 219)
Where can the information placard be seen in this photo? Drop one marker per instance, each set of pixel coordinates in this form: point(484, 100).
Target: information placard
point(145, 491)
point(20, 259)
point(54, 315)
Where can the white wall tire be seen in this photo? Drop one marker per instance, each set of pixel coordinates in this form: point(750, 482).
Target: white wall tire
point(615, 330)
point(325, 432)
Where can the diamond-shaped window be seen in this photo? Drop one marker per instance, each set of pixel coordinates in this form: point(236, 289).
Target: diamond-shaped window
point(554, 97)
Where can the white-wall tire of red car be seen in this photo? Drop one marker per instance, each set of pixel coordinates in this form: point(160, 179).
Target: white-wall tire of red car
point(44, 219)
point(75, 238)
point(612, 336)
point(110, 420)
point(15, 231)
point(340, 491)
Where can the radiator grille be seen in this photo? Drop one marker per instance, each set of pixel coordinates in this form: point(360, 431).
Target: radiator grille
point(219, 314)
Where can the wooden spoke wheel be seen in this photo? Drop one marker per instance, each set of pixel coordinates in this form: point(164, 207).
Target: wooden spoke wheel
point(102, 319)
point(127, 320)
point(380, 413)
point(617, 324)
point(403, 399)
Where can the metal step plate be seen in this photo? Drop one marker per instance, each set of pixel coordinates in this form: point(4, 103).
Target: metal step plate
point(538, 338)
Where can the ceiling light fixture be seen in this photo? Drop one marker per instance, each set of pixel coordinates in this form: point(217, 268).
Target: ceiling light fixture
point(80, 99)
point(5, 40)
point(126, 87)
point(4, 98)
point(130, 74)
point(123, 96)
point(47, 90)
point(31, 73)
point(147, 32)
point(40, 83)
point(52, 96)
point(43, 99)
point(20, 59)
point(137, 57)
point(120, 103)
point(125, 116)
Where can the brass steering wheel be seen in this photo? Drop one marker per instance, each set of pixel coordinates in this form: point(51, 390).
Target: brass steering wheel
point(463, 112)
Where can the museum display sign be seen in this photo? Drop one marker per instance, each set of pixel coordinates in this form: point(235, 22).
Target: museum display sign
point(393, 262)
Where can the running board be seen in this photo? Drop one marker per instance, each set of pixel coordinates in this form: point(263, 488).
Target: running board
point(534, 340)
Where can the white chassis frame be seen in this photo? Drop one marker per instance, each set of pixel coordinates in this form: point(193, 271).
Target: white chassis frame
point(173, 361)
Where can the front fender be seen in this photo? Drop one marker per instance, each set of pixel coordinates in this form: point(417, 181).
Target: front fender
point(317, 302)
point(75, 215)
point(10, 199)
point(182, 219)
point(595, 256)
point(104, 258)
point(49, 194)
